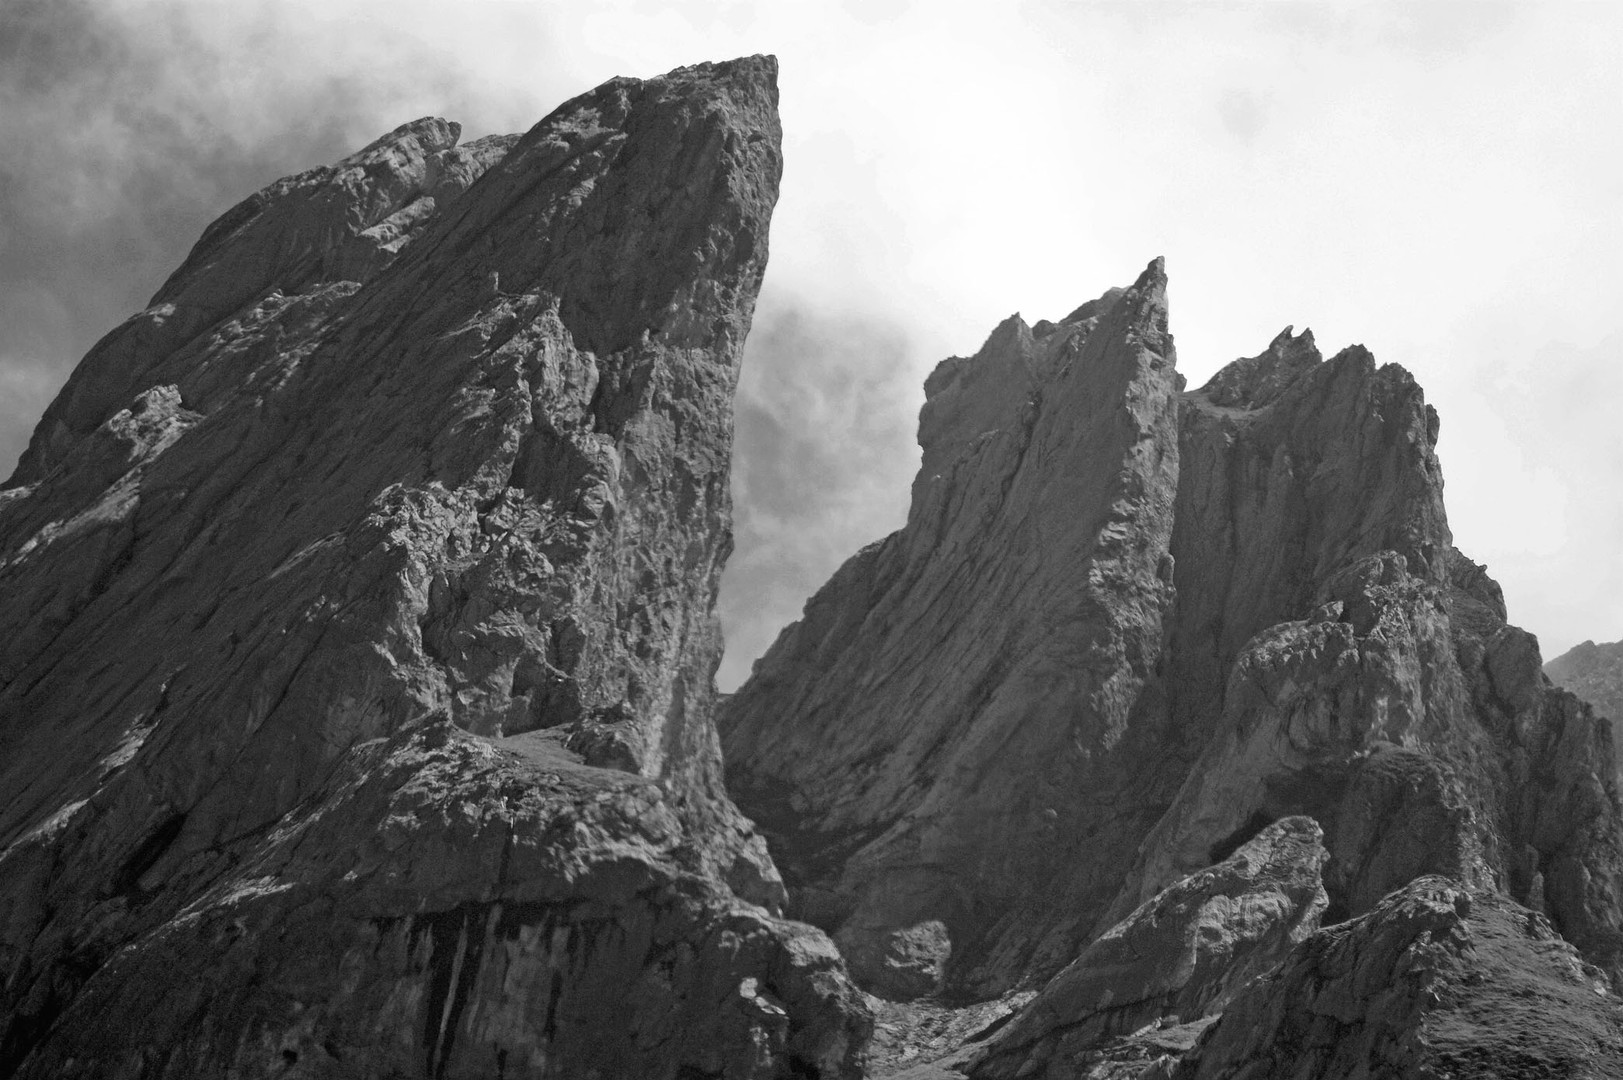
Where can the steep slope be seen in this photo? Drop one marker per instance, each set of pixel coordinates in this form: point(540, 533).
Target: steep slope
point(1435, 981)
point(941, 748)
point(1324, 651)
point(358, 642)
point(1182, 954)
point(1333, 655)
point(1593, 672)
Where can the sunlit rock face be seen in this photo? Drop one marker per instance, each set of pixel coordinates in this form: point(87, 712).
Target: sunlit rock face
point(357, 649)
point(356, 658)
point(1126, 629)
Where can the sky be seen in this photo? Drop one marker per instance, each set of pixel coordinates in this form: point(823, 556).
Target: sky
point(1440, 182)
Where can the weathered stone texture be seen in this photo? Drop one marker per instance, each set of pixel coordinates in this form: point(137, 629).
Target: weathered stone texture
point(1437, 980)
point(357, 656)
point(1324, 651)
point(943, 738)
point(1179, 957)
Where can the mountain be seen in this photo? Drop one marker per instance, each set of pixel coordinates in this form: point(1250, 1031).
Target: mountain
point(358, 642)
point(1128, 628)
point(1594, 673)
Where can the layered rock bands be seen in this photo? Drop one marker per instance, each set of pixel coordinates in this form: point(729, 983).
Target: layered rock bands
point(357, 645)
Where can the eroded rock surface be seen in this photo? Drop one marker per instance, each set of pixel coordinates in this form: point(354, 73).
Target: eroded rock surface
point(1178, 958)
point(355, 668)
point(1316, 647)
point(1436, 980)
point(947, 735)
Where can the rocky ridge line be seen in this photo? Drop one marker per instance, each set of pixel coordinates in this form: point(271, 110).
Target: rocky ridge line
point(1318, 648)
point(1595, 673)
point(883, 741)
point(357, 666)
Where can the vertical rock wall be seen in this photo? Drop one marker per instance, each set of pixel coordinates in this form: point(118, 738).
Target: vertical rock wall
point(941, 746)
point(1314, 646)
point(356, 683)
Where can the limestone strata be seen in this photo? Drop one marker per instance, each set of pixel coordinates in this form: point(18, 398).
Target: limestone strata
point(1436, 980)
point(356, 670)
point(1179, 957)
point(944, 744)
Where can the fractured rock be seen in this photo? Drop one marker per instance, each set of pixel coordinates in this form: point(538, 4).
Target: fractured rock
point(1370, 678)
point(1436, 980)
point(1178, 958)
point(1593, 672)
point(946, 735)
point(1322, 650)
point(355, 674)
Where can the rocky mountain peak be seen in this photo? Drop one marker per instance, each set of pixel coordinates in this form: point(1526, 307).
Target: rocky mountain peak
point(1002, 735)
point(1257, 381)
point(1041, 453)
point(357, 670)
point(356, 678)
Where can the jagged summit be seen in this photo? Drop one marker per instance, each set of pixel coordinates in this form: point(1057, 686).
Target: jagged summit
point(1257, 381)
point(357, 653)
point(928, 745)
point(356, 678)
point(1095, 664)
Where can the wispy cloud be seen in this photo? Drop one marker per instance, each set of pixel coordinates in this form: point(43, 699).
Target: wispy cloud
point(1438, 181)
point(824, 452)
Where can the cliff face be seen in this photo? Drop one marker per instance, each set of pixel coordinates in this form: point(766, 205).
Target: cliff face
point(1293, 634)
point(357, 652)
point(942, 747)
point(357, 655)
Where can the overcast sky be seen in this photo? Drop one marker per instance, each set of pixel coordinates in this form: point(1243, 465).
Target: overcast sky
point(1442, 183)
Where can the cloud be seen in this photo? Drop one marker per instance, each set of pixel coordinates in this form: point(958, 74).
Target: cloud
point(1559, 553)
point(128, 130)
point(25, 389)
point(1243, 113)
point(1440, 183)
point(823, 455)
point(129, 127)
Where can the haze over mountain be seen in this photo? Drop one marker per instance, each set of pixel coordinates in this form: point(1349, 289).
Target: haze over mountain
point(359, 655)
point(1470, 153)
point(1593, 672)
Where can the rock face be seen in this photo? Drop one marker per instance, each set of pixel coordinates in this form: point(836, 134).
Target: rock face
point(1594, 673)
point(1181, 955)
point(355, 669)
point(1024, 716)
point(1435, 981)
point(941, 748)
point(356, 679)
